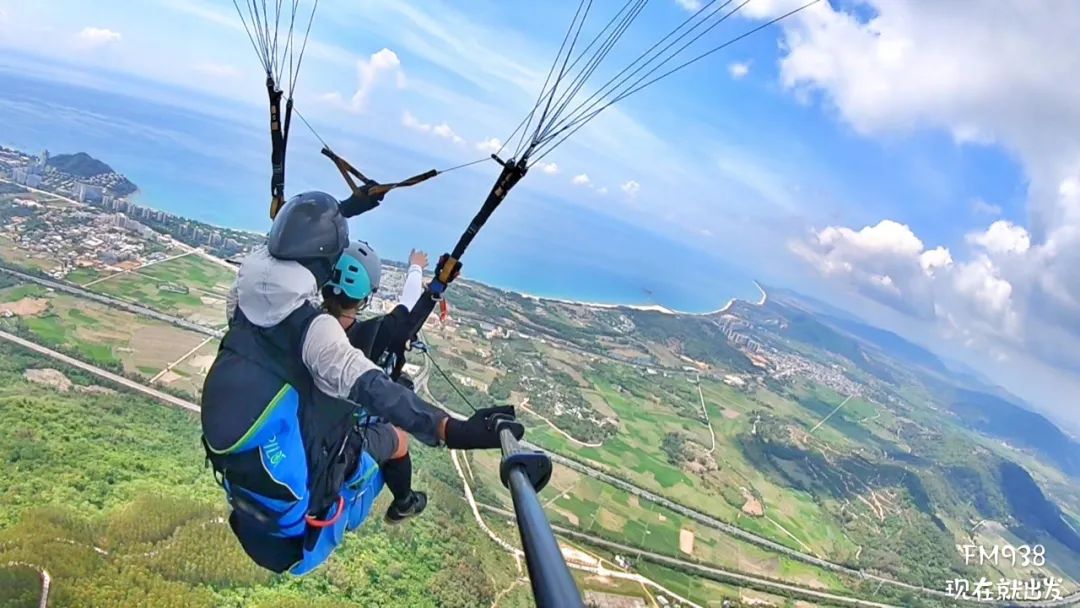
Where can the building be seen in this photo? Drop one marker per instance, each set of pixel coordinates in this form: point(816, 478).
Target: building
point(88, 193)
point(33, 181)
point(42, 161)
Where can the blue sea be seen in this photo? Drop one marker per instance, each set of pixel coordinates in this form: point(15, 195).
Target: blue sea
point(208, 159)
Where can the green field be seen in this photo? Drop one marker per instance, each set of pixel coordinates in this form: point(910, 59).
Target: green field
point(633, 453)
point(591, 506)
point(207, 285)
point(110, 338)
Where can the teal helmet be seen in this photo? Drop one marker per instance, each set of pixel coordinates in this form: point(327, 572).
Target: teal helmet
point(357, 272)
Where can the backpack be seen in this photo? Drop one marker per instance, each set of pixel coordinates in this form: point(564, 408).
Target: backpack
point(288, 456)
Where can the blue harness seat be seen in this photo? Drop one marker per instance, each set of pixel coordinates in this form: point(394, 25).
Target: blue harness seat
point(289, 457)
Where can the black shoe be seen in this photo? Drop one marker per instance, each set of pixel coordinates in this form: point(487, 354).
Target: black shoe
point(412, 506)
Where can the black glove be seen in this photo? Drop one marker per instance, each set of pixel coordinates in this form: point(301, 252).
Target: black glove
point(479, 431)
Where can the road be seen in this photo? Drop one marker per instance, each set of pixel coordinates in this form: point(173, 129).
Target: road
point(720, 574)
point(704, 410)
point(137, 268)
point(115, 302)
point(97, 371)
point(45, 192)
point(182, 358)
point(836, 409)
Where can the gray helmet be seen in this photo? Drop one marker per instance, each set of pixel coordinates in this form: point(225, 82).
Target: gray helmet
point(309, 227)
point(357, 272)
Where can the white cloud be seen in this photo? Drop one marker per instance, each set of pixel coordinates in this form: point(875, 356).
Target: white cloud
point(1002, 237)
point(690, 5)
point(902, 67)
point(444, 131)
point(371, 73)
point(602, 191)
point(490, 145)
point(931, 259)
point(739, 69)
point(441, 130)
point(411, 122)
point(548, 168)
point(981, 207)
point(631, 188)
point(581, 180)
point(96, 37)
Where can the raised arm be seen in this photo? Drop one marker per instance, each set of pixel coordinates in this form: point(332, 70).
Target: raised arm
point(414, 279)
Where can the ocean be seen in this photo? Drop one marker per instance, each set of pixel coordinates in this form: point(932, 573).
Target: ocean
point(213, 166)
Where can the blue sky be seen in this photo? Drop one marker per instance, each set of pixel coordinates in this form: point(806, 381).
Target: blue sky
point(864, 151)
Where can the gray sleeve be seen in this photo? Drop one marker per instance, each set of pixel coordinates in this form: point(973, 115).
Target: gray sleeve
point(343, 372)
point(334, 364)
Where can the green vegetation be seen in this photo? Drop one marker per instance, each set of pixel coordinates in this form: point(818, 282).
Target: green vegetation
point(110, 494)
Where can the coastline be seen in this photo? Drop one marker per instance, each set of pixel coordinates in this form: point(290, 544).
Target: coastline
point(643, 307)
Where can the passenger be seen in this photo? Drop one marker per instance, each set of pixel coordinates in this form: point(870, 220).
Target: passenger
point(355, 280)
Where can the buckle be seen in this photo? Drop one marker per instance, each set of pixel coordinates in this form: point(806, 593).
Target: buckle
point(315, 522)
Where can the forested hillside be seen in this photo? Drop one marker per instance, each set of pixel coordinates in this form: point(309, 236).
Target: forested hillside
point(108, 493)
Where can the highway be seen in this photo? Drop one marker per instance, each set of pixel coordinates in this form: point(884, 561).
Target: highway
point(97, 371)
point(114, 302)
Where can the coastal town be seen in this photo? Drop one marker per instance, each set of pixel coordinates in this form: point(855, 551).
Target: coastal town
point(105, 209)
point(68, 223)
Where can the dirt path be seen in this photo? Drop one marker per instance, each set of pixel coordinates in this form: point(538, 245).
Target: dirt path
point(525, 406)
point(46, 580)
point(182, 358)
point(135, 269)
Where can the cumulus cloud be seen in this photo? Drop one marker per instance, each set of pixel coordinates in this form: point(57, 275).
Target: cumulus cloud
point(901, 67)
point(372, 73)
point(1002, 237)
point(631, 188)
point(739, 69)
point(96, 37)
point(884, 262)
point(581, 179)
point(548, 168)
point(490, 145)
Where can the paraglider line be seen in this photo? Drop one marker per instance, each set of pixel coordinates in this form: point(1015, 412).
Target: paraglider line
point(452, 384)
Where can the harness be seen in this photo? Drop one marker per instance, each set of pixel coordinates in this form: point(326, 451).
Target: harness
point(288, 456)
